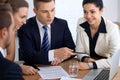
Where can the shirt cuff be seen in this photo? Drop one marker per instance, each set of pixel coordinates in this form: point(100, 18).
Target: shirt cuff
point(90, 64)
point(51, 55)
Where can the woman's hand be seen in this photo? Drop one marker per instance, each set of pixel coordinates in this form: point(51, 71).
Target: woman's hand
point(87, 60)
point(83, 66)
point(28, 70)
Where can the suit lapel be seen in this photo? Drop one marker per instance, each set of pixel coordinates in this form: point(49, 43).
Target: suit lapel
point(53, 34)
point(86, 41)
point(1, 56)
point(100, 41)
point(36, 33)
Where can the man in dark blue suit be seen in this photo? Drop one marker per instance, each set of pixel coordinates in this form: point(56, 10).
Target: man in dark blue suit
point(8, 69)
point(31, 36)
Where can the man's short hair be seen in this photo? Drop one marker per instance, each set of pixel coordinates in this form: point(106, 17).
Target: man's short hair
point(36, 2)
point(5, 16)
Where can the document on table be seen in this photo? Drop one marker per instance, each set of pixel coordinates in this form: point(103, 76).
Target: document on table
point(52, 72)
point(68, 78)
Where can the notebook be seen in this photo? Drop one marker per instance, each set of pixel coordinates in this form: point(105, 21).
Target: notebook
point(112, 71)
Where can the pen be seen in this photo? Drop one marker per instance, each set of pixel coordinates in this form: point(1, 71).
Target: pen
point(36, 67)
point(33, 65)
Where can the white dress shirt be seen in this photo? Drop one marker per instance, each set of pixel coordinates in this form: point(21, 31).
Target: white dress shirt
point(2, 51)
point(41, 30)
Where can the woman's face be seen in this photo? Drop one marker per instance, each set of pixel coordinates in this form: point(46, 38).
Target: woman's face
point(92, 14)
point(20, 17)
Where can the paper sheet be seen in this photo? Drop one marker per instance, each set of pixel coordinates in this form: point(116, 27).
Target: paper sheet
point(52, 72)
point(68, 78)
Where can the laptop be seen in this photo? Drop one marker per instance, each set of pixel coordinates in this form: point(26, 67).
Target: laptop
point(94, 74)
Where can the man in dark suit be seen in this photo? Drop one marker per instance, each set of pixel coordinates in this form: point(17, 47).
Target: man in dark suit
point(8, 69)
point(31, 36)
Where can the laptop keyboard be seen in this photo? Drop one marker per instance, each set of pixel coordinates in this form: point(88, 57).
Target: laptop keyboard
point(103, 75)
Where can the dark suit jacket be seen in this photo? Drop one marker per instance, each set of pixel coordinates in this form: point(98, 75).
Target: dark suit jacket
point(30, 40)
point(9, 70)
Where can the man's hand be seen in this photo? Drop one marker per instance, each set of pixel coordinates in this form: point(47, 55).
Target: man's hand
point(63, 53)
point(56, 61)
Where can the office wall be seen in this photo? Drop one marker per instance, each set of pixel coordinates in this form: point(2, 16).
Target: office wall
point(71, 11)
point(111, 9)
point(118, 10)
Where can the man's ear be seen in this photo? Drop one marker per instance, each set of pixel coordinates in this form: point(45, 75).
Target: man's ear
point(3, 32)
point(35, 10)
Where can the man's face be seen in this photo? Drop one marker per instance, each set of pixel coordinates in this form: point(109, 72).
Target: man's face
point(45, 12)
point(10, 34)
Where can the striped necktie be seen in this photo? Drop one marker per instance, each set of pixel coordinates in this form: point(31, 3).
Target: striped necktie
point(45, 42)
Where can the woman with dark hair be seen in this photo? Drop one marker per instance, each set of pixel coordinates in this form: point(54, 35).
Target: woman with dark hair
point(97, 37)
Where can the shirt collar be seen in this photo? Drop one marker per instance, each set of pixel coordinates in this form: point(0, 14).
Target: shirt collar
point(102, 26)
point(2, 51)
point(40, 24)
